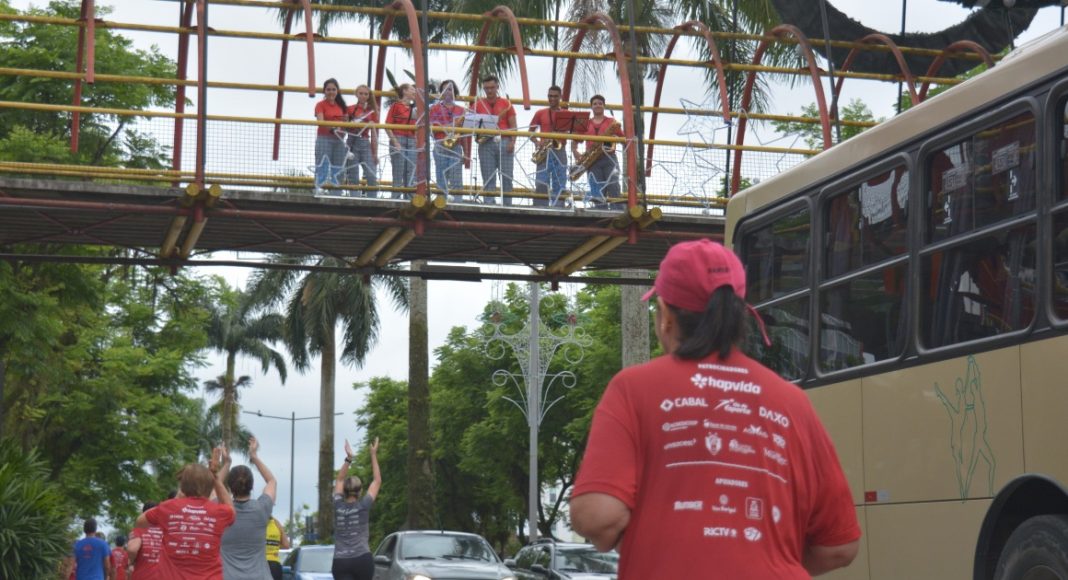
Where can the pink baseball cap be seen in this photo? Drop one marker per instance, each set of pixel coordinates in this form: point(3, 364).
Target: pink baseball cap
point(692, 271)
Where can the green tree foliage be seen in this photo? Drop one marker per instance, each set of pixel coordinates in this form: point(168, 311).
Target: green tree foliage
point(34, 516)
point(98, 365)
point(812, 133)
point(480, 439)
point(110, 140)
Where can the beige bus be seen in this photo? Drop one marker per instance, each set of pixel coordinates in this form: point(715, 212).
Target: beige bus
point(915, 283)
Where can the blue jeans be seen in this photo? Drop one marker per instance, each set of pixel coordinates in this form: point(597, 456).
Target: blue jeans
point(604, 178)
point(329, 160)
point(448, 169)
point(403, 162)
point(494, 158)
point(365, 161)
point(551, 176)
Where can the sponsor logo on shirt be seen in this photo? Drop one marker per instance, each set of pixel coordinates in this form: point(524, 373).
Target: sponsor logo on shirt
point(752, 534)
point(754, 508)
point(682, 443)
point(728, 482)
point(740, 448)
point(775, 456)
point(689, 506)
point(774, 417)
point(714, 443)
point(679, 425)
point(683, 402)
point(723, 368)
point(733, 407)
point(756, 430)
point(720, 532)
point(706, 382)
point(724, 506)
point(776, 514)
point(721, 426)
point(779, 440)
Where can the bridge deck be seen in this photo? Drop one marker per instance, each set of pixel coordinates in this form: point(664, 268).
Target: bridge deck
point(36, 211)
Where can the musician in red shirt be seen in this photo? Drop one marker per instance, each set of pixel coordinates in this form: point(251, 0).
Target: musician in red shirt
point(496, 154)
point(363, 142)
point(552, 171)
point(330, 150)
point(603, 173)
point(449, 148)
point(402, 146)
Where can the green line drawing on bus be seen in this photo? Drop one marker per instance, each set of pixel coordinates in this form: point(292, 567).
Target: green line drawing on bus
point(968, 440)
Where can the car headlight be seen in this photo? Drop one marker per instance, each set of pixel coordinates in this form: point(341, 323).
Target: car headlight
point(508, 578)
point(421, 577)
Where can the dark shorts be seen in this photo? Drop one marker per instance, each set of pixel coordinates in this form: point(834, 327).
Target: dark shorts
point(276, 569)
point(358, 568)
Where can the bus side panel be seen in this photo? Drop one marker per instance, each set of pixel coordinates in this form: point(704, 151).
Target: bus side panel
point(1045, 404)
point(943, 431)
point(858, 570)
point(839, 409)
point(939, 539)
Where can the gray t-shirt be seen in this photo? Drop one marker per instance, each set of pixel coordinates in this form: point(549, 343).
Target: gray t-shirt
point(244, 544)
point(352, 527)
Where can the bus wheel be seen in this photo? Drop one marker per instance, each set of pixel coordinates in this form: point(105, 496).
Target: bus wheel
point(1037, 550)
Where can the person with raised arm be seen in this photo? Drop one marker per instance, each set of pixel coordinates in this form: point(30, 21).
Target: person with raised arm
point(244, 551)
point(352, 518)
point(192, 524)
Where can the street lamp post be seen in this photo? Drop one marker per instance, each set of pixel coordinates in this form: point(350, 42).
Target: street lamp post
point(292, 418)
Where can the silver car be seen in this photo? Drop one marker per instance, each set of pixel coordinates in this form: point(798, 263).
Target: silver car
point(438, 555)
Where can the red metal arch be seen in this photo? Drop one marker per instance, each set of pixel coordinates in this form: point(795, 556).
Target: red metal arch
point(747, 95)
point(628, 101)
point(960, 45)
point(703, 30)
point(86, 57)
point(185, 22)
point(309, 40)
point(517, 37)
point(874, 38)
point(420, 79)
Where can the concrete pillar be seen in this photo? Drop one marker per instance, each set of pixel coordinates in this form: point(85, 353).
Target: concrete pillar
point(634, 319)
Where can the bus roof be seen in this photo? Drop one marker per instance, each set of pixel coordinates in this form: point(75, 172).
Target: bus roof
point(1032, 62)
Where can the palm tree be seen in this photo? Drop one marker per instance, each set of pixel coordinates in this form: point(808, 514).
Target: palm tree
point(225, 411)
point(208, 432)
point(234, 331)
point(315, 303)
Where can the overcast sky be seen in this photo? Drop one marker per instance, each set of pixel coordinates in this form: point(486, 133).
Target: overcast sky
point(451, 303)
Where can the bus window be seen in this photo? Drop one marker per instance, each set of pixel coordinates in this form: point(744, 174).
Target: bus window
point(776, 257)
point(979, 289)
point(1064, 150)
point(867, 223)
point(788, 327)
point(1060, 265)
point(862, 320)
point(983, 179)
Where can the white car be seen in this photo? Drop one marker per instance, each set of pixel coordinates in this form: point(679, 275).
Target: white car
point(428, 555)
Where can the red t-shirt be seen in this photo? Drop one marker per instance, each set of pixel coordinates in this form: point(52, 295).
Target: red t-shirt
point(146, 564)
point(724, 466)
point(361, 115)
point(497, 107)
point(120, 561)
point(192, 531)
point(543, 120)
point(331, 111)
point(442, 115)
point(608, 126)
point(401, 114)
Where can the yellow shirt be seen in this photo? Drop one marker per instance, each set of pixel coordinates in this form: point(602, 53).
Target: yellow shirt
point(274, 538)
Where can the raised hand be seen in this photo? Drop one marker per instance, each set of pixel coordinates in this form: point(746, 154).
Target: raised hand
point(348, 449)
point(374, 447)
point(253, 447)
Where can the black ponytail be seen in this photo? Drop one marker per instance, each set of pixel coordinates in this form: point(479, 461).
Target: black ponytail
point(718, 329)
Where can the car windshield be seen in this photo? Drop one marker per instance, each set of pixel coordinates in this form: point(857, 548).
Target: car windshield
point(587, 559)
point(438, 546)
point(316, 561)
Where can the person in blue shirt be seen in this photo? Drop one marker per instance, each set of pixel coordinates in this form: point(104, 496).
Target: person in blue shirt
point(92, 557)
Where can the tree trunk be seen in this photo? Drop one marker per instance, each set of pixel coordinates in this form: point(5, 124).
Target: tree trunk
point(326, 437)
point(229, 400)
point(420, 473)
point(634, 320)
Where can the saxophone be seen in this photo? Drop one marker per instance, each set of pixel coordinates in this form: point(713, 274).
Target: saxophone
point(583, 163)
point(451, 138)
point(542, 152)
